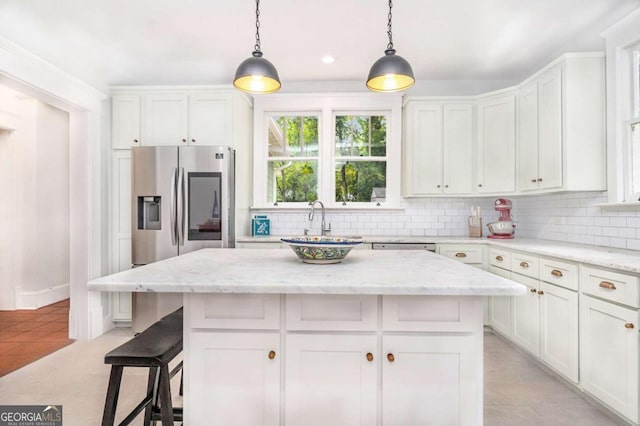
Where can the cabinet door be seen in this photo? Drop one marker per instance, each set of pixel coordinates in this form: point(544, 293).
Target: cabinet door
point(525, 315)
point(457, 138)
point(559, 329)
point(496, 145)
point(330, 380)
point(125, 121)
point(500, 307)
point(550, 129)
point(432, 380)
point(165, 120)
point(528, 138)
point(228, 372)
point(609, 354)
point(121, 302)
point(423, 153)
point(210, 119)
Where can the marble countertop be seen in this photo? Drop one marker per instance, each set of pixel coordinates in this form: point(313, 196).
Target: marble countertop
point(624, 260)
point(378, 272)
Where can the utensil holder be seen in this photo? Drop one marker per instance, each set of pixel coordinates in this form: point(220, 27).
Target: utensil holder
point(475, 227)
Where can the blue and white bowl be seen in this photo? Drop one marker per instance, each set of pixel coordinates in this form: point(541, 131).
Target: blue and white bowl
point(321, 249)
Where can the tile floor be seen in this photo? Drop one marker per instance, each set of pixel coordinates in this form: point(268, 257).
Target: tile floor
point(518, 390)
point(27, 335)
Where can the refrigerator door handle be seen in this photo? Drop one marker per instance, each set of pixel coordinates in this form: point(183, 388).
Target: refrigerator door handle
point(172, 207)
point(180, 206)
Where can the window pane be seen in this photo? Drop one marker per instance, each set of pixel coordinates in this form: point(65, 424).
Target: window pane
point(293, 136)
point(361, 181)
point(361, 135)
point(292, 181)
point(635, 158)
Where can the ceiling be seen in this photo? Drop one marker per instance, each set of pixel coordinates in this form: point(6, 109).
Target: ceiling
point(165, 42)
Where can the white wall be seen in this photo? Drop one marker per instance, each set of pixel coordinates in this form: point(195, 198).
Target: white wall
point(34, 194)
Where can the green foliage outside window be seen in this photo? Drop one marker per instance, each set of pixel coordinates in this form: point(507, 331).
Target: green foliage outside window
point(364, 136)
point(356, 180)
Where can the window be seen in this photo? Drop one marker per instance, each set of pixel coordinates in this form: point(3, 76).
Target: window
point(342, 150)
point(632, 180)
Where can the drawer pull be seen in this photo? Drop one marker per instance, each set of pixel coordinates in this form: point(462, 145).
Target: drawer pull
point(556, 273)
point(391, 358)
point(608, 285)
point(461, 254)
point(524, 265)
point(533, 290)
point(628, 325)
point(369, 356)
point(540, 292)
point(499, 258)
point(272, 354)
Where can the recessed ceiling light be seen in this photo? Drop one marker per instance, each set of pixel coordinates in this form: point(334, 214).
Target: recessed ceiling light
point(328, 59)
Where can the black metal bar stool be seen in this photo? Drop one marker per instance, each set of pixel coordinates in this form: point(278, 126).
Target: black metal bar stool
point(154, 348)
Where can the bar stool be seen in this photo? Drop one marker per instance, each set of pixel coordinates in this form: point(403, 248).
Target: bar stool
point(154, 348)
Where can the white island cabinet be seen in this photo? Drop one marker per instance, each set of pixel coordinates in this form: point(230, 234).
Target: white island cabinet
point(383, 338)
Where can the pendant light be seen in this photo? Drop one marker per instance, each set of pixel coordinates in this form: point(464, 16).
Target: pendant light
point(256, 74)
point(391, 73)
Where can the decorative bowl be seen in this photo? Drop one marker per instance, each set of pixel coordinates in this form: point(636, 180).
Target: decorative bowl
point(321, 250)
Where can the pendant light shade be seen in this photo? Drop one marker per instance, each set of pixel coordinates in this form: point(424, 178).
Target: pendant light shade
point(256, 74)
point(391, 73)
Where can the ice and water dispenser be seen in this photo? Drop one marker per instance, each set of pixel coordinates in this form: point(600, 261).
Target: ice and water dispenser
point(149, 209)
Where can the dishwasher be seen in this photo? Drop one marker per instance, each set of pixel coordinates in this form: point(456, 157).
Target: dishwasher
point(404, 246)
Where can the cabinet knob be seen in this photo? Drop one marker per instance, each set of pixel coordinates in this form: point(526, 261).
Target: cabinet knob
point(437, 186)
point(499, 258)
point(184, 141)
point(540, 292)
point(480, 185)
point(390, 357)
point(461, 254)
point(556, 273)
point(524, 265)
point(446, 186)
point(607, 285)
point(135, 141)
point(533, 290)
point(369, 356)
point(539, 179)
point(193, 141)
point(534, 180)
point(628, 325)
point(272, 354)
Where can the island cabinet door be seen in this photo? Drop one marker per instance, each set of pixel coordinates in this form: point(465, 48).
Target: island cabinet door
point(331, 380)
point(233, 379)
point(432, 380)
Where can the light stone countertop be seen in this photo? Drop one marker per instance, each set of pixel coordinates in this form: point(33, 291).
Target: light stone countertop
point(376, 272)
point(608, 257)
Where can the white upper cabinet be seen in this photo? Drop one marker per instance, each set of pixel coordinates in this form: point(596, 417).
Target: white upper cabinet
point(438, 148)
point(172, 117)
point(210, 119)
point(561, 135)
point(165, 120)
point(496, 145)
point(125, 121)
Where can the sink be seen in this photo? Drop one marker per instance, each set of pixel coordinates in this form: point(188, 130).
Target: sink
point(321, 250)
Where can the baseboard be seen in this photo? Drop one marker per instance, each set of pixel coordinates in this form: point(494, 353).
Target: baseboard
point(40, 298)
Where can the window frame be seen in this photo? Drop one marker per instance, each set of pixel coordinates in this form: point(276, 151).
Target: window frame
point(631, 119)
point(327, 106)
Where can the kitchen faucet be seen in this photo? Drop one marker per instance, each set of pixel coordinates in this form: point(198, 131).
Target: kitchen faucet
point(323, 231)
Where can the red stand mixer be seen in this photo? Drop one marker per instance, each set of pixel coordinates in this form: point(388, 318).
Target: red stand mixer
point(504, 227)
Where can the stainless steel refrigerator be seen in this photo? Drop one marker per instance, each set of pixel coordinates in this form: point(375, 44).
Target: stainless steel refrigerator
point(182, 199)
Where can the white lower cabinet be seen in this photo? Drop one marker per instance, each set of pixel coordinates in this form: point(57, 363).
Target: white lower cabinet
point(500, 307)
point(331, 380)
point(234, 371)
point(609, 354)
point(431, 380)
point(526, 317)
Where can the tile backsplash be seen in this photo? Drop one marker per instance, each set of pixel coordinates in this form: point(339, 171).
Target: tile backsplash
point(576, 218)
point(572, 218)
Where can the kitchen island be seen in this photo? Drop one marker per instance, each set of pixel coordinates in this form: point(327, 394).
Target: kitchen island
point(385, 337)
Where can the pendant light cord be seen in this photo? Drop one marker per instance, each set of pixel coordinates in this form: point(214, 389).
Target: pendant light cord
point(257, 46)
point(390, 45)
